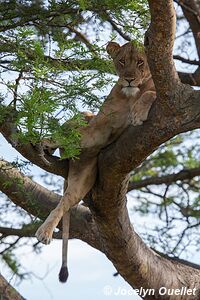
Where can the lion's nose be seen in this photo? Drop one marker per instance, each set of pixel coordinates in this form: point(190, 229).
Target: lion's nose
point(130, 80)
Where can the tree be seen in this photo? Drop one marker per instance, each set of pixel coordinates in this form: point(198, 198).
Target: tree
point(49, 53)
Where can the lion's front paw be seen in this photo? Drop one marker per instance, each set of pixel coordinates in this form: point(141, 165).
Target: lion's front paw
point(138, 118)
point(44, 234)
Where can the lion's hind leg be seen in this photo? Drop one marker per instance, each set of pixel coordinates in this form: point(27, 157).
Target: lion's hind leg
point(81, 178)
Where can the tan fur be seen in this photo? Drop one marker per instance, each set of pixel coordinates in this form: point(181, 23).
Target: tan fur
point(128, 103)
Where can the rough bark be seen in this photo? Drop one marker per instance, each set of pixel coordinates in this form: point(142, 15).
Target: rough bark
point(7, 292)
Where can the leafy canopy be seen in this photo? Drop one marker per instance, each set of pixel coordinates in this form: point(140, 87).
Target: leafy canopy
point(50, 66)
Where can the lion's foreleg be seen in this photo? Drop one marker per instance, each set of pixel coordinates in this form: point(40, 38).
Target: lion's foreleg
point(140, 109)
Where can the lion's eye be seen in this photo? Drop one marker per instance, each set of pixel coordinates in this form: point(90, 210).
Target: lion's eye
point(122, 62)
point(140, 63)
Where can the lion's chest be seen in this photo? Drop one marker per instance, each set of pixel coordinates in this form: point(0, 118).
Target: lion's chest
point(110, 122)
point(130, 91)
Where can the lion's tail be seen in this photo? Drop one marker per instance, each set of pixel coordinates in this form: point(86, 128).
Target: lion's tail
point(63, 274)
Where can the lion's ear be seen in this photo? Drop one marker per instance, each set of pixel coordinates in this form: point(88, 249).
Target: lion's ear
point(112, 49)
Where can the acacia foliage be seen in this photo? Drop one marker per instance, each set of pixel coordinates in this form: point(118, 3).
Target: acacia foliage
point(54, 53)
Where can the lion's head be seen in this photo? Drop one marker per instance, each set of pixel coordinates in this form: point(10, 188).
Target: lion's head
point(131, 66)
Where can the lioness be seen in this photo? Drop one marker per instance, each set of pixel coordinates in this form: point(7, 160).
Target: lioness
point(128, 103)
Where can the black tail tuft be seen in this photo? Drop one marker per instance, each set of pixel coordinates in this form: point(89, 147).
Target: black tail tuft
point(63, 275)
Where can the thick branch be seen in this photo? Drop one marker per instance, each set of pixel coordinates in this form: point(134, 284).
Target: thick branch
point(8, 128)
point(7, 292)
point(159, 41)
point(185, 174)
point(132, 258)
